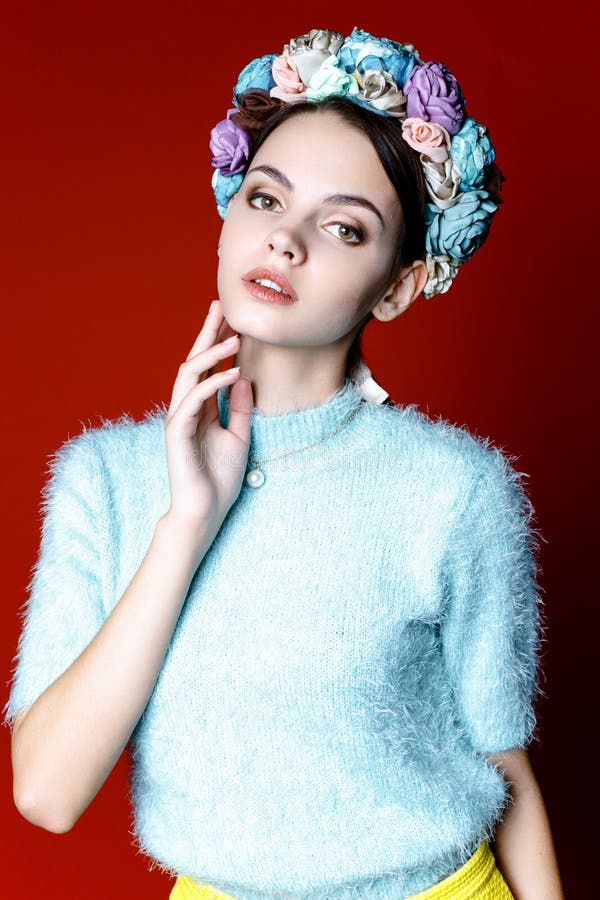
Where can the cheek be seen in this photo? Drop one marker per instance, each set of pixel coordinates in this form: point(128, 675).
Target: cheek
point(228, 241)
point(367, 281)
point(237, 229)
point(225, 269)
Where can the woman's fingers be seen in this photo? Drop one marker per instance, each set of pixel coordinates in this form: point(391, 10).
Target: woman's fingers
point(191, 426)
point(241, 402)
point(214, 328)
point(206, 355)
point(198, 367)
point(184, 421)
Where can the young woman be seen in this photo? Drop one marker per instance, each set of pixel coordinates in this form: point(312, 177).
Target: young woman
point(313, 612)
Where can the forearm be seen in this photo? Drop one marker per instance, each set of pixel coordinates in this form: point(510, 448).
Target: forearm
point(71, 737)
point(524, 845)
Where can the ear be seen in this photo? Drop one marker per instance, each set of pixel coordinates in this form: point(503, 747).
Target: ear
point(402, 292)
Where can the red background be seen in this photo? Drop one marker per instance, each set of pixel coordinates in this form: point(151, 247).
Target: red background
point(109, 263)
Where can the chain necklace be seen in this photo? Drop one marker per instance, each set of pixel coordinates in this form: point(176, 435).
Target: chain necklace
point(255, 477)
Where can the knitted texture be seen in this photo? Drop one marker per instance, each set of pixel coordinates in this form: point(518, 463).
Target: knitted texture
point(478, 879)
point(364, 627)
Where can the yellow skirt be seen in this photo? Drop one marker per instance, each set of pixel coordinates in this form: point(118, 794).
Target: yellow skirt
point(478, 879)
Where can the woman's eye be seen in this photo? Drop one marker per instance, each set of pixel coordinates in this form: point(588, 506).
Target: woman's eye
point(348, 234)
point(265, 201)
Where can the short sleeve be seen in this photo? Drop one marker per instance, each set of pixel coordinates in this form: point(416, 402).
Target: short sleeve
point(64, 607)
point(492, 629)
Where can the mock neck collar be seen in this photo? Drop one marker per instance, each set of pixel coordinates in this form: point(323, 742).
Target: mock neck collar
point(271, 435)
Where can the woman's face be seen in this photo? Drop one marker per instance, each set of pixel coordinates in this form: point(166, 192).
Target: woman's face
point(297, 218)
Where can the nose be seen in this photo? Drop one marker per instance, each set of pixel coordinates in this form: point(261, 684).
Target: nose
point(284, 241)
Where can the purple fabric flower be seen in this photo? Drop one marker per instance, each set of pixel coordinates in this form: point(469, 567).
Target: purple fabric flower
point(230, 146)
point(434, 94)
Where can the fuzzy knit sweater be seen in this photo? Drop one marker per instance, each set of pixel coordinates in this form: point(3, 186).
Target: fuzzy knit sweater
point(363, 629)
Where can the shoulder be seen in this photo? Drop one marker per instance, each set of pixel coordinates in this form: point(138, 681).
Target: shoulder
point(436, 444)
point(117, 446)
point(443, 467)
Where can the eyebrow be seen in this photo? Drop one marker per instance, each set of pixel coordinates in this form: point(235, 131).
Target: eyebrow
point(337, 199)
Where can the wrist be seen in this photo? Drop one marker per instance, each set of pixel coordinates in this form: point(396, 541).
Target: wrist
point(184, 532)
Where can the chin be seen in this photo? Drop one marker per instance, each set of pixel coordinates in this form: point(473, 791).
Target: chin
point(231, 301)
point(236, 316)
point(240, 310)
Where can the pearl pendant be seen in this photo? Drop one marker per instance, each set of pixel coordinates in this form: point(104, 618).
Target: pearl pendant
point(255, 478)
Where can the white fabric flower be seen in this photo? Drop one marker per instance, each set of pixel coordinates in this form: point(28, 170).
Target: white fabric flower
point(442, 181)
point(442, 271)
point(311, 50)
point(382, 92)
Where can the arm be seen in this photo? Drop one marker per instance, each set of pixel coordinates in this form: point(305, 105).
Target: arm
point(523, 844)
point(82, 722)
point(68, 735)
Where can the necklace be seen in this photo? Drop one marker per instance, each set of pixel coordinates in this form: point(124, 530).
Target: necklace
point(255, 477)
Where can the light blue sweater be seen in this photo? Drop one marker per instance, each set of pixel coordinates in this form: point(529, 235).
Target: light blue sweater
point(364, 627)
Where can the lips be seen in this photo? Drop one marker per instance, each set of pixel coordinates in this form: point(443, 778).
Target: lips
point(274, 276)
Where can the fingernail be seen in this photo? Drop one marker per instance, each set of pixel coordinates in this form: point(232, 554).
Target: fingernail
point(231, 339)
point(212, 307)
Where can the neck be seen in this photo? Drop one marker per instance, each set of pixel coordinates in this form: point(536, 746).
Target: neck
point(272, 435)
point(289, 379)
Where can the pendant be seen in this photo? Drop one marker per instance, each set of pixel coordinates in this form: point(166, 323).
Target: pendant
point(255, 478)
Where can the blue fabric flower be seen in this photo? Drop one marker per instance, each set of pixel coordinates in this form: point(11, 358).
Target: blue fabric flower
point(399, 65)
point(358, 36)
point(361, 51)
point(224, 187)
point(472, 150)
point(461, 229)
point(370, 61)
point(257, 74)
point(360, 101)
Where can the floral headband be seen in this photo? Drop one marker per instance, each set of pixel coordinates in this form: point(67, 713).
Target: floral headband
point(390, 79)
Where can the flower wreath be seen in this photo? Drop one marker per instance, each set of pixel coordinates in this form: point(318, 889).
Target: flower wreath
point(390, 79)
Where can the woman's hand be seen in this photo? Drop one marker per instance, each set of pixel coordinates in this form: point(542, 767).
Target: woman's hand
point(207, 462)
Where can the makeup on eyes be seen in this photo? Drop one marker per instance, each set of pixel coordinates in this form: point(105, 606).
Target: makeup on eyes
point(339, 199)
point(358, 231)
point(355, 228)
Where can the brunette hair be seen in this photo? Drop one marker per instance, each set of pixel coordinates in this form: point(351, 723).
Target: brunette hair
point(401, 164)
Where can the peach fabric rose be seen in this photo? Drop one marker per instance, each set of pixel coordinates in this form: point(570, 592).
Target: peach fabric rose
point(289, 86)
point(429, 138)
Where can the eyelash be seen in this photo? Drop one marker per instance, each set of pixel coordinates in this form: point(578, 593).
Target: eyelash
point(359, 233)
